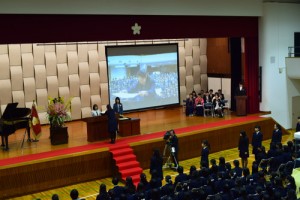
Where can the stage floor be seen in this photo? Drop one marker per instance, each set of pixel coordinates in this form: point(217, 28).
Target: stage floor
point(151, 121)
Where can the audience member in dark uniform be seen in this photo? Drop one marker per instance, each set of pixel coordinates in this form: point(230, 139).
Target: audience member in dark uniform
point(118, 106)
point(156, 163)
point(129, 185)
point(244, 148)
point(168, 188)
point(237, 169)
point(298, 125)
point(222, 164)
point(181, 177)
point(190, 105)
point(205, 153)
point(74, 194)
point(175, 147)
point(256, 140)
point(55, 197)
point(277, 134)
point(261, 154)
point(103, 194)
point(116, 190)
point(112, 123)
point(144, 181)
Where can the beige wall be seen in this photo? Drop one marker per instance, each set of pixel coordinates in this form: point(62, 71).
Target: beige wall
point(78, 70)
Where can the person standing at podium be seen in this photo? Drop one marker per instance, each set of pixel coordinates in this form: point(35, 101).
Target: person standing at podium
point(241, 90)
point(95, 112)
point(118, 106)
point(112, 123)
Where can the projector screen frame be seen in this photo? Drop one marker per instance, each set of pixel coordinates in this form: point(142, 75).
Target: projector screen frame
point(137, 46)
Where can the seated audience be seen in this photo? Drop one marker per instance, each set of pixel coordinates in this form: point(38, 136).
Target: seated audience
point(103, 194)
point(190, 103)
point(74, 194)
point(199, 105)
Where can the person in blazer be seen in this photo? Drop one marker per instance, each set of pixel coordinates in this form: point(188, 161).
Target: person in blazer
point(118, 106)
point(204, 162)
point(256, 140)
point(112, 123)
point(277, 134)
point(244, 148)
point(240, 90)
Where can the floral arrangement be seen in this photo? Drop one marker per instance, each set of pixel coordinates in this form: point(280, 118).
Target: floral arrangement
point(58, 111)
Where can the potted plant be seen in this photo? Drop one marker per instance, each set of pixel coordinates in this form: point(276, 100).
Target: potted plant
point(57, 114)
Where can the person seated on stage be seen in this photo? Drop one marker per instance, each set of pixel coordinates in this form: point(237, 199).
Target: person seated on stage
point(95, 112)
point(211, 95)
point(218, 106)
point(118, 106)
point(199, 103)
point(194, 94)
point(221, 95)
point(189, 110)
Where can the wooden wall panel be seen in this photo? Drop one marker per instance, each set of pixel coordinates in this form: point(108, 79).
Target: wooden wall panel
point(218, 56)
point(54, 173)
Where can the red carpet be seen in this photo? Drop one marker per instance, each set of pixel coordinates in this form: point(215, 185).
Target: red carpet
point(122, 141)
point(126, 162)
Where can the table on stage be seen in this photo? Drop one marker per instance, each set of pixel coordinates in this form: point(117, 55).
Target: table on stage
point(97, 128)
point(129, 126)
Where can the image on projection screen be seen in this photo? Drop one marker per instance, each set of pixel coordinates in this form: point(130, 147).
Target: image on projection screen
point(143, 76)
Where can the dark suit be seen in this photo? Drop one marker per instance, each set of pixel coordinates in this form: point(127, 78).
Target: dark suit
point(118, 108)
point(240, 91)
point(156, 164)
point(204, 156)
point(244, 147)
point(112, 124)
point(276, 136)
point(256, 142)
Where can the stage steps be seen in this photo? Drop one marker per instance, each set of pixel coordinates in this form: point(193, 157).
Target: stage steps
point(126, 162)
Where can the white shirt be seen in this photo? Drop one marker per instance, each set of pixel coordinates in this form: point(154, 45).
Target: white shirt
point(96, 113)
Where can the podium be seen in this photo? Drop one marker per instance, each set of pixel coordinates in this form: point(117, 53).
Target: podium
point(128, 127)
point(97, 128)
point(241, 108)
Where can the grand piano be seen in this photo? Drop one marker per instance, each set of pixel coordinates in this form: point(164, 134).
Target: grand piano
point(13, 118)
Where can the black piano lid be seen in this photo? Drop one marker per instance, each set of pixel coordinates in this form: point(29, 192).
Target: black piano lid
point(9, 110)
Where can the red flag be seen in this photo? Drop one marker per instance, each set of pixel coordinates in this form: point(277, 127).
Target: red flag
point(35, 122)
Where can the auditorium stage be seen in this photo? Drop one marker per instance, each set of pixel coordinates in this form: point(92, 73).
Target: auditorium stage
point(42, 166)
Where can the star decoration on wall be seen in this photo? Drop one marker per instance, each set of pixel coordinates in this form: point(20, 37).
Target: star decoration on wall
point(136, 29)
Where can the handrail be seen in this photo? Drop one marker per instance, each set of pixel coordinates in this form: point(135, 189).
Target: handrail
point(293, 53)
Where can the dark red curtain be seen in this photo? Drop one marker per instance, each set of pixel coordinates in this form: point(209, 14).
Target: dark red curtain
point(251, 73)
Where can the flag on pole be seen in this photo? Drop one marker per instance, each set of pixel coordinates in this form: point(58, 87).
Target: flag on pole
point(35, 122)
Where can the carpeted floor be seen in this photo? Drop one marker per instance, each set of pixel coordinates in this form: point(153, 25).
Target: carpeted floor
point(122, 141)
